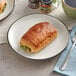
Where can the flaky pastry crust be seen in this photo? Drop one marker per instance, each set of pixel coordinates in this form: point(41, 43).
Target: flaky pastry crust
point(38, 36)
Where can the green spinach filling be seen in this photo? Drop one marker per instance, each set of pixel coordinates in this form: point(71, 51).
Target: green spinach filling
point(4, 7)
point(26, 48)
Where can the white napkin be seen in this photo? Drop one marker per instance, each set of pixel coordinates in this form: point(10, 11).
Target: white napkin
point(21, 9)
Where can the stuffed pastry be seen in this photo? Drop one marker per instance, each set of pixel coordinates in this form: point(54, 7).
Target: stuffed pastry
point(37, 37)
point(2, 5)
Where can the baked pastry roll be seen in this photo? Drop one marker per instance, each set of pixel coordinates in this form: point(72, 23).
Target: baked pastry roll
point(37, 37)
point(2, 5)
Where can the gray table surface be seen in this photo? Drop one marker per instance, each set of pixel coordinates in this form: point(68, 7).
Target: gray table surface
point(12, 64)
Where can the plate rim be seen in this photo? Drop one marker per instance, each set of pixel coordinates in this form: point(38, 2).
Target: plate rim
point(9, 12)
point(37, 58)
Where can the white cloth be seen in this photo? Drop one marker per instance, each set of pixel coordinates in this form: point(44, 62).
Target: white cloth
point(21, 9)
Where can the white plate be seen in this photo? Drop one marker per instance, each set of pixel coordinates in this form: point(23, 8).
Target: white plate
point(20, 26)
point(9, 8)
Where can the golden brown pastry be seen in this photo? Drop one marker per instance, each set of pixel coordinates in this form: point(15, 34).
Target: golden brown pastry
point(38, 36)
point(2, 5)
